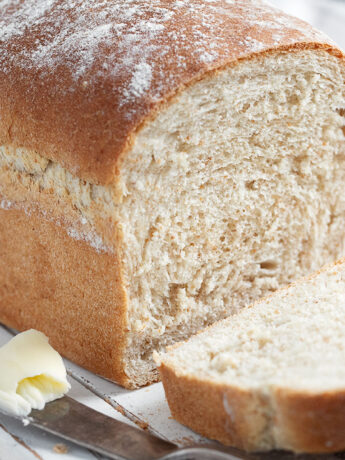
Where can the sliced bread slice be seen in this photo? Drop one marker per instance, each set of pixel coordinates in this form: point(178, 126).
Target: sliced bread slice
point(271, 376)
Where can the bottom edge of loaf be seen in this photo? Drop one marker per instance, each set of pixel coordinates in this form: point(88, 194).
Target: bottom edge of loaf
point(308, 423)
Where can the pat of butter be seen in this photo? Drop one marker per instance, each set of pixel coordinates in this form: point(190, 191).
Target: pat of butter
point(32, 373)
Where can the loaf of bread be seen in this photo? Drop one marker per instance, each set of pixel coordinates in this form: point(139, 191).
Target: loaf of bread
point(162, 164)
point(271, 376)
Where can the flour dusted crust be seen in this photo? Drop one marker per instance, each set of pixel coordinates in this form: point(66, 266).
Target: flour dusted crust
point(78, 79)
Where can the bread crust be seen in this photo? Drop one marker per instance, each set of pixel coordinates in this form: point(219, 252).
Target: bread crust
point(82, 117)
point(301, 422)
point(64, 288)
point(199, 404)
point(313, 423)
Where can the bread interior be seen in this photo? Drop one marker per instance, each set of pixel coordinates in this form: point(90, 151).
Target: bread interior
point(233, 191)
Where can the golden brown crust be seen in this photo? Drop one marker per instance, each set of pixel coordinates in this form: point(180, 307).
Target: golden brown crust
point(77, 82)
point(61, 286)
point(311, 423)
point(201, 405)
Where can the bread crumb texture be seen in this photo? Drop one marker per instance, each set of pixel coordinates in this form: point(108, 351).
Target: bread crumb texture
point(60, 448)
point(293, 339)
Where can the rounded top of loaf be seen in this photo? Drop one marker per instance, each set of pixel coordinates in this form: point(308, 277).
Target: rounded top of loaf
point(78, 78)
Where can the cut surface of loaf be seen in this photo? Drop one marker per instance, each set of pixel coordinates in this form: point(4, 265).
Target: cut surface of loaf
point(206, 173)
point(271, 376)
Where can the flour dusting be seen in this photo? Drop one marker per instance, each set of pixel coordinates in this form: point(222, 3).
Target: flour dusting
point(94, 240)
point(89, 236)
point(140, 81)
point(6, 204)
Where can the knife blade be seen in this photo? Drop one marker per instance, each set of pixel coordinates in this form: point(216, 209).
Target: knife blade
point(75, 422)
point(78, 423)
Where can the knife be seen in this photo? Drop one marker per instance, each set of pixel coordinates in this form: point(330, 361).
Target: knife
point(86, 427)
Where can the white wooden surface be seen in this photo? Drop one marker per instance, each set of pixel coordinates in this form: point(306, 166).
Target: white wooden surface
point(147, 406)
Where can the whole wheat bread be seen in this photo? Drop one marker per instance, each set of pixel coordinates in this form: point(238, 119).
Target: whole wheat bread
point(162, 165)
